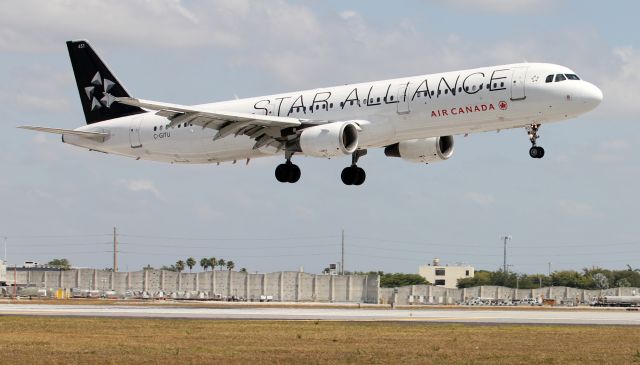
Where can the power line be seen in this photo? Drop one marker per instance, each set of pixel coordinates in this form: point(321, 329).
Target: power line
point(302, 238)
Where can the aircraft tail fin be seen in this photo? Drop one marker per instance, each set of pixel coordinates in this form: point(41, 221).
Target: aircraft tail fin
point(98, 87)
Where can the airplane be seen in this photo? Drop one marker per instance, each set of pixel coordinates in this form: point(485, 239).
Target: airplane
point(411, 118)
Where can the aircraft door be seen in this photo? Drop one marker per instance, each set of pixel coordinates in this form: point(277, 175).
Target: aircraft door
point(134, 133)
point(403, 98)
point(518, 77)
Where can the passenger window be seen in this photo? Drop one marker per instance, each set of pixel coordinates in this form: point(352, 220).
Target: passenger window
point(185, 125)
point(351, 102)
point(155, 129)
point(378, 100)
point(331, 105)
point(572, 77)
point(502, 84)
point(446, 91)
point(179, 125)
point(391, 97)
point(560, 77)
point(324, 107)
point(460, 89)
point(481, 86)
point(433, 93)
point(317, 107)
point(160, 127)
point(474, 88)
point(549, 79)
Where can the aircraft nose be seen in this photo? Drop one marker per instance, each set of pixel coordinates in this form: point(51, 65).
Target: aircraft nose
point(592, 95)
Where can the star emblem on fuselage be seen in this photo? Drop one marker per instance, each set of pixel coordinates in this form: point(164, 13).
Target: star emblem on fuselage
point(535, 78)
point(103, 85)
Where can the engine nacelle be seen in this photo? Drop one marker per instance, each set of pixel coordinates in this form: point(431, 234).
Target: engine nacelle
point(427, 150)
point(329, 140)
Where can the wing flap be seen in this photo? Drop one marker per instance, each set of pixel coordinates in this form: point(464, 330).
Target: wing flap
point(176, 111)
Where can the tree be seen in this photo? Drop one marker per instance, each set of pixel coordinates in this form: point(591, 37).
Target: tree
point(148, 267)
point(399, 279)
point(191, 262)
point(179, 266)
point(230, 265)
point(222, 263)
point(244, 269)
point(62, 264)
point(204, 263)
point(213, 263)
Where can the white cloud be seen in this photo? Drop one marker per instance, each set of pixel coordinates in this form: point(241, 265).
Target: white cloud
point(480, 199)
point(31, 25)
point(40, 139)
point(579, 209)
point(611, 151)
point(501, 6)
point(140, 185)
point(621, 84)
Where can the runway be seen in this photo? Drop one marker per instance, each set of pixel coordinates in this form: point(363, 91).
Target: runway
point(599, 317)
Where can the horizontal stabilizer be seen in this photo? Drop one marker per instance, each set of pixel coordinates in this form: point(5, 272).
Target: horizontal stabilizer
point(70, 132)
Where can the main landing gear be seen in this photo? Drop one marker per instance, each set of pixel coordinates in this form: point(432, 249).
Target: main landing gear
point(288, 172)
point(535, 151)
point(354, 175)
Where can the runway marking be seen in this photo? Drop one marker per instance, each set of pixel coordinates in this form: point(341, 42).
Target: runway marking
point(328, 314)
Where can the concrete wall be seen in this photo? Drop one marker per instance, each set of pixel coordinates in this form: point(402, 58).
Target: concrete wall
point(281, 286)
point(427, 294)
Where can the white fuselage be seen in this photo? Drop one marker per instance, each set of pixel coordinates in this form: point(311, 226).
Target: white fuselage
point(388, 111)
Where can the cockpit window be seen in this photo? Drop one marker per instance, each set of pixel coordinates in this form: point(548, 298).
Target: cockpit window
point(549, 79)
point(560, 77)
point(572, 77)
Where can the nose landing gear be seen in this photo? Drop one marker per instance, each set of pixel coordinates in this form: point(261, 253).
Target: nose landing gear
point(535, 151)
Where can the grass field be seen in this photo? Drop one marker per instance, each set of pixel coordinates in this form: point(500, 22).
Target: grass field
point(55, 340)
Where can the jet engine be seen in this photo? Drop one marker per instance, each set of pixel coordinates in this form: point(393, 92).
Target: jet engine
point(329, 140)
point(427, 150)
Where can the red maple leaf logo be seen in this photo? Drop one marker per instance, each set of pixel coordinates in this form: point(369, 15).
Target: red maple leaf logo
point(503, 105)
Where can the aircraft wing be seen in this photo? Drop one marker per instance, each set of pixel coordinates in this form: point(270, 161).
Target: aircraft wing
point(91, 135)
point(264, 129)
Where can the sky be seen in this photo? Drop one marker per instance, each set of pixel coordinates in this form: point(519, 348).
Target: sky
point(575, 208)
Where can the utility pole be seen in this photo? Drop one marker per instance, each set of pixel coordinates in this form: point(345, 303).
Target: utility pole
point(5, 250)
point(505, 238)
point(115, 250)
point(549, 269)
point(15, 281)
point(342, 261)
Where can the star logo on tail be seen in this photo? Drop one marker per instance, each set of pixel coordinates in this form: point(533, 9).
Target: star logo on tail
point(100, 85)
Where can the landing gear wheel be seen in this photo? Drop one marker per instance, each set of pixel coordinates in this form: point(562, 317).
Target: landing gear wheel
point(535, 151)
point(362, 176)
point(295, 174)
point(283, 173)
point(348, 175)
point(353, 175)
point(288, 173)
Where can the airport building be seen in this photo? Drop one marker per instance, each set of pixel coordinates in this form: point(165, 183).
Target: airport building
point(445, 275)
